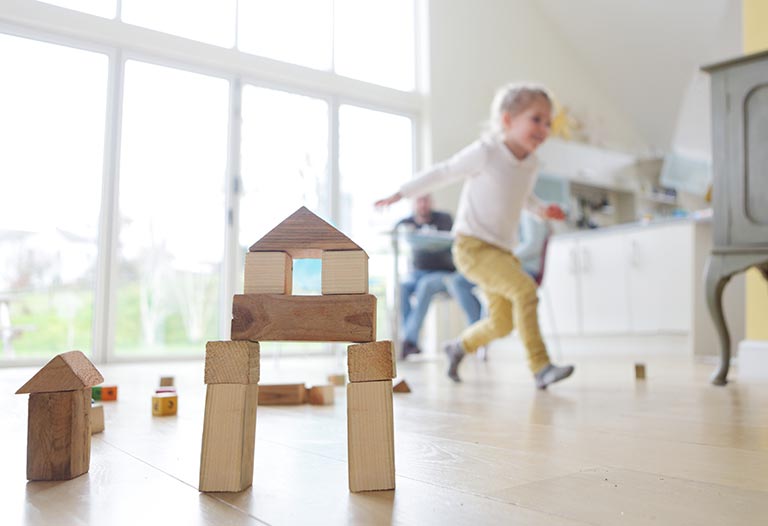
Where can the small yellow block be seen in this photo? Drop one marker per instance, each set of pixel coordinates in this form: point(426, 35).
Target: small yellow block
point(164, 404)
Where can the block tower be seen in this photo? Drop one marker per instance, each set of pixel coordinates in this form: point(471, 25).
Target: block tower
point(59, 422)
point(268, 311)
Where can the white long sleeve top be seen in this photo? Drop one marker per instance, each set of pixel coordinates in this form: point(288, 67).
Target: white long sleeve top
point(497, 187)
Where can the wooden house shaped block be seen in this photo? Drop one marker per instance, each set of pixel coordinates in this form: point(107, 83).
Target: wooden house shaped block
point(59, 425)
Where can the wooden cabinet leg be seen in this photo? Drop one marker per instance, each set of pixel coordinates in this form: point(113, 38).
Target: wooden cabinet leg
point(715, 283)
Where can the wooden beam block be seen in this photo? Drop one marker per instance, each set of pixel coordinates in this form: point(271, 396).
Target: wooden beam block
point(97, 418)
point(272, 317)
point(337, 379)
point(344, 272)
point(320, 395)
point(370, 362)
point(59, 435)
point(371, 438)
point(401, 387)
point(303, 235)
point(165, 404)
point(69, 371)
point(639, 371)
point(282, 394)
point(166, 381)
point(232, 362)
point(229, 434)
point(268, 273)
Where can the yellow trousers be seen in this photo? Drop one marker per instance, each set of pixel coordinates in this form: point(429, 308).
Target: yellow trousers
point(512, 298)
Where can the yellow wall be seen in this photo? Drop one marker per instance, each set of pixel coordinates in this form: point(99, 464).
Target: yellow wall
point(755, 25)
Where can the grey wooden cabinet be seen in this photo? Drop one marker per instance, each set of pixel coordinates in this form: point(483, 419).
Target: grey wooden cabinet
point(740, 188)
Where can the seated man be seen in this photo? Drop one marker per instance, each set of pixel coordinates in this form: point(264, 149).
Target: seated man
point(432, 271)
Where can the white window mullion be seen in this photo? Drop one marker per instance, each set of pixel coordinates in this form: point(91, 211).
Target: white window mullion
point(104, 305)
point(232, 263)
point(333, 160)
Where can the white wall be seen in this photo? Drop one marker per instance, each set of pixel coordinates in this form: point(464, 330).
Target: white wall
point(477, 46)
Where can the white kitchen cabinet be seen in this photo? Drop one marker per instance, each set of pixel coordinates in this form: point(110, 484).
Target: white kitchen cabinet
point(633, 280)
point(603, 281)
point(561, 283)
point(660, 278)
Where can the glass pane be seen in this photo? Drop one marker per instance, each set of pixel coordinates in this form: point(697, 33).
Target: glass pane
point(53, 107)
point(368, 173)
point(104, 8)
point(284, 159)
point(272, 29)
point(375, 41)
point(173, 161)
point(209, 21)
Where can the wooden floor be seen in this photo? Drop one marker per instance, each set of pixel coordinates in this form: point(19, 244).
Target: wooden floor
point(599, 448)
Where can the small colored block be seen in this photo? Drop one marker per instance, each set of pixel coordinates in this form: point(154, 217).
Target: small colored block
point(166, 381)
point(96, 393)
point(167, 389)
point(108, 393)
point(164, 404)
point(640, 371)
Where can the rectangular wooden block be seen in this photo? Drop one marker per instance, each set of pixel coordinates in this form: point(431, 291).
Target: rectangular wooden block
point(370, 362)
point(268, 273)
point(272, 317)
point(371, 436)
point(344, 272)
point(320, 395)
point(232, 362)
point(337, 379)
point(166, 381)
point(165, 404)
point(229, 434)
point(282, 394)
point(97, 418)
point(640, 371)
point(59, 435)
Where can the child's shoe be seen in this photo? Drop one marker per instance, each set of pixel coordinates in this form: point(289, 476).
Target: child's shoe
point(409, 348)
point(455, 352)
point(551, 374)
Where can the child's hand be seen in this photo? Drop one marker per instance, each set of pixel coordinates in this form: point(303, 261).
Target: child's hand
point(554, 211)
point(394, 198)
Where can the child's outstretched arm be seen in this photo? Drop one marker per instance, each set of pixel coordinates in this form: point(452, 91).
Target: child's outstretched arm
point(392, 199)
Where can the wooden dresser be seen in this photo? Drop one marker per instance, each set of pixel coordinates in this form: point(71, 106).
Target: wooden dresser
point(740, 191)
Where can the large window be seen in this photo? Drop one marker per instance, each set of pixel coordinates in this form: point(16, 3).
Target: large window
point(139, 167)
point(52, 103)
point(173, 163)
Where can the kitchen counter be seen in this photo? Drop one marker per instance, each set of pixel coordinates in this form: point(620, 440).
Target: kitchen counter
point(637, 225)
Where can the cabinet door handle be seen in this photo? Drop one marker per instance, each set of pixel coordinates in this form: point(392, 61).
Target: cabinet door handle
point(585, 263)
point(573, 261)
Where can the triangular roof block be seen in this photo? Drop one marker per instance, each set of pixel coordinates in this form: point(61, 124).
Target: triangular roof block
point(69, 371)
point(303, 235)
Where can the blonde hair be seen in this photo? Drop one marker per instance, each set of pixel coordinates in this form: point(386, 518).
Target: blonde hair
point(513, 99)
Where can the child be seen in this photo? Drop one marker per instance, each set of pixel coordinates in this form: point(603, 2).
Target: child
point(499, 171)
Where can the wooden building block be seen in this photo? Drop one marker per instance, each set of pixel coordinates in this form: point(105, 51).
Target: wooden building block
point(97, 418)
point(401, 387)
point(303, 235)
point(320, 395)
point(370, 362)
point(337, 379)
point(282, 394)
point(273, 317)
point(232, 362)
point(69, 371)
point(108, 393)
point(344, 272)
point(370, 436)
point(168, 389)
point(229, 434)
point(639, 371)
point(268, 273)
point(164, 404)
point(96, 392)
point(166, 381)
point(59, 435)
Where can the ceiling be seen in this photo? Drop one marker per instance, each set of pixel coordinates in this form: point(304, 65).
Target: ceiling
point(645, 54)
